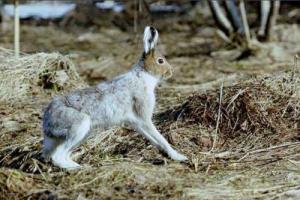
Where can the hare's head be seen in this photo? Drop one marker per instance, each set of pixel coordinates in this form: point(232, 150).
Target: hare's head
point(153, 61)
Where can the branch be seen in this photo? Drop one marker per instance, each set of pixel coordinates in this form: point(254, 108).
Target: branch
point(245, 21)
point(17, 29)
point(221, 20)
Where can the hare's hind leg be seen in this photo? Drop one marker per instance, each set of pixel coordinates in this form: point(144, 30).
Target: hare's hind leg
point(49, 145)
point(78, 131)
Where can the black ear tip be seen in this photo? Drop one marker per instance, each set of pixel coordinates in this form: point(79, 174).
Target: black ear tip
point(152, 30)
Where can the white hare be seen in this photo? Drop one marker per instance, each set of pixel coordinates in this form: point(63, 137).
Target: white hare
point(126, 99)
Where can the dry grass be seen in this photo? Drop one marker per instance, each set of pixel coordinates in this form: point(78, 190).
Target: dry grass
point(256, 156)
point(267, 106)
point(39, 77)
point(257, 150)
point(29, 75)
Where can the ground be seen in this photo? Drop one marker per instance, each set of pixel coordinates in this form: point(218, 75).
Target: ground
point(233, 111)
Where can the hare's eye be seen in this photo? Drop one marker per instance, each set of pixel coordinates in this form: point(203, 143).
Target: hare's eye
point(160, 60)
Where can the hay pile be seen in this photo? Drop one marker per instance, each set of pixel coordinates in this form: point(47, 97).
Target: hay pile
point(30, 75)
point(27, 85)
point(255, 113)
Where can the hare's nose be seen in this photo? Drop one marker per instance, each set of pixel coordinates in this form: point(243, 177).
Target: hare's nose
point(169, 73)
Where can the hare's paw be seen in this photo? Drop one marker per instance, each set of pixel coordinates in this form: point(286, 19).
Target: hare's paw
point(72, 165)
point(65, 163)
point(68, 165)
point(178, 156)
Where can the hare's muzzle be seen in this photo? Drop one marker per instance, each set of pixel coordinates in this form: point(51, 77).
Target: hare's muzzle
point(169, 72)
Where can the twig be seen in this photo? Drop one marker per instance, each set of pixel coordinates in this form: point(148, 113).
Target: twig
point(294, 162)
point(223, 36)
point(274, 147)
point(295, 66)
point(275, 5)
point(221, 20)
point(195, 161)
point(218, 118)
point(234, 16)
point(265, 7)
point(252, 152)
point(245, 21)
point(135, 18)
point(236, 96)
point(268, 149)
point(17, 29)
point(217, 125)
point(207, 169)
point(295, 69)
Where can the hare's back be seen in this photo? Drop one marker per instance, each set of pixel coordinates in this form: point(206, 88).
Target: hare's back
point(81, 99)
point(59, 118)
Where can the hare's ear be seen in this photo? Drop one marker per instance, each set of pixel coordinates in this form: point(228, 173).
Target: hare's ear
point(150, 38)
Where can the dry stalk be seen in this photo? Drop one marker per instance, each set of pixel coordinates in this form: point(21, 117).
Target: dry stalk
point(265, 9)
point(275, 5)
point(17, 29)
point(245, 21)
point(223, 36)
point(135, 18)
point(294, 82)
point(295, 66)
point(217, 125)
point(219, 15)
point(195, 161)
point(207, 169)
point(218, 118)
point(269, 149)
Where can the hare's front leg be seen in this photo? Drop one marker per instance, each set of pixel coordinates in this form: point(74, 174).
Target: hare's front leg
point(147, 129)
point(163, 143)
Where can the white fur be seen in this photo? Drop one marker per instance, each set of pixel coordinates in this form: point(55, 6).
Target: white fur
point(151, 81)
point(128, 98)
point(148, 130)
point(61, 156)
point(147, 35)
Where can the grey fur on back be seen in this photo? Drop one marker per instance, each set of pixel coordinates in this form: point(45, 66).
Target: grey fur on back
point(128, 98)
point(108, 104)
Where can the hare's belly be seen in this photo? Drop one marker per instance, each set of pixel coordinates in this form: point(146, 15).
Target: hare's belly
point(108, 113)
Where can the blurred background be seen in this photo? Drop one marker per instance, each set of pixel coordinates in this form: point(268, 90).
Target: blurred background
point(104, 37)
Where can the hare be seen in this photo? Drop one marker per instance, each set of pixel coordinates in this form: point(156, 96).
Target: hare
point(127, 99)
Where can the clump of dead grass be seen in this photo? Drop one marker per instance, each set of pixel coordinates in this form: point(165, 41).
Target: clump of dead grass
point(26, 86)
point(16, 184)
point(254, 113)
point(29, 75)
